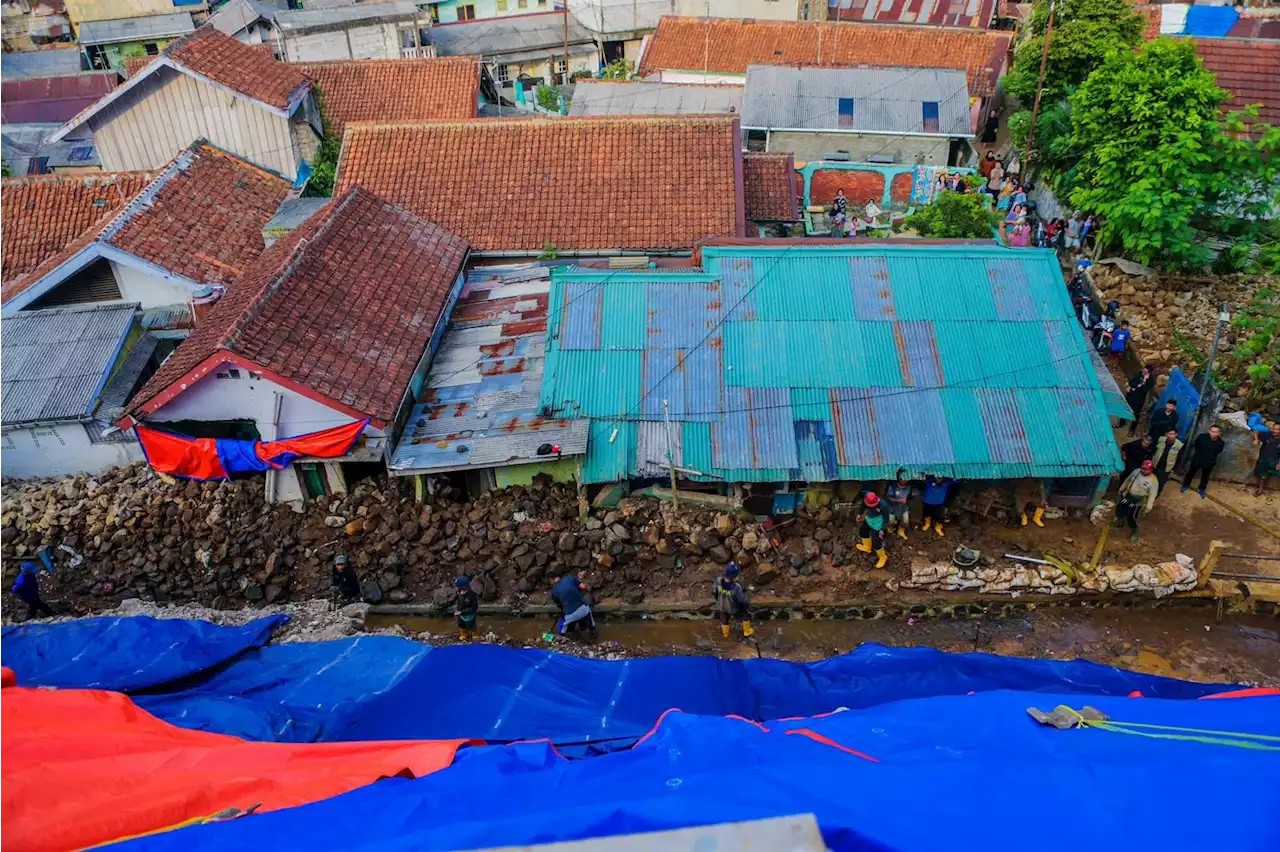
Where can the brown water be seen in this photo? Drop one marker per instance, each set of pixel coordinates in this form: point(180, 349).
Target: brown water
point(1186, 642)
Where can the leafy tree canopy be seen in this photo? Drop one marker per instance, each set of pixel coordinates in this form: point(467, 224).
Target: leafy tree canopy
point(1145, 125)
point(1085, 32)
point(953, 215)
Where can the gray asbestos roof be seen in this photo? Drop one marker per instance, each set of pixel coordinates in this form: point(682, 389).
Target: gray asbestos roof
point(615, 97)
point(234, 15)
point(301, 20)
point(514, 38)
point(171, 25)
point(54, 363)
point(885, 100)
point(40, 63)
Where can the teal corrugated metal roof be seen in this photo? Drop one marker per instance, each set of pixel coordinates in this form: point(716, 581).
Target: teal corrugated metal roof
point(847, 362)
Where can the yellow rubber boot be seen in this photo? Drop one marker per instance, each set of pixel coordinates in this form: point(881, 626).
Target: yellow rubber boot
point(724, 630)
point(464, 635)
point(1038, 517)
point(939, 529)
point(927, 521)
point(747, 630)
point(864, 545)
point(902, 531)
point(1024, 519)
point(881, 558)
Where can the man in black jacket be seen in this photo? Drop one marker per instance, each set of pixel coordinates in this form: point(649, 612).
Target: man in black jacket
point(1163, 420)
point(1134, 453)
point(345, 584)
point(1140, 385)
point(1205, 450)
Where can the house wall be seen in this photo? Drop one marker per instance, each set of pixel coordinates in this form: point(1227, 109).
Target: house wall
point(151, 291)
point(560, 470)
point(903, 149)
point(168, 111)
point(60, 450)
point(116, 54)
point(448, 9)
point(375, 40)
point(699, 78)
point(580, 59)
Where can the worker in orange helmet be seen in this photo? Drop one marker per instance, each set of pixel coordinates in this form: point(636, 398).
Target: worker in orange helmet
point(872, 529)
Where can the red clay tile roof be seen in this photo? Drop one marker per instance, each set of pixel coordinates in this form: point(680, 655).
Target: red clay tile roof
point(661, 182)
point(344, 306)
point(40, 215)
point(134, 64)
point(1152, 13)
point(395, 89)
point(201, 218)
point(769, 187)
point(729, 45)
point(1249, 70)
point(248, 70)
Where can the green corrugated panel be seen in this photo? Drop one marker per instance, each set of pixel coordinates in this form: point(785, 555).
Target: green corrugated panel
point(755, 354)
point(1015, 355)
point(811, 403)
point(695, 446)
point(594, 384)
point(623, 323)
point(882, 360)
point(610, 460)
point(1046, 432)
point(964, 423)
point(825, 355)
point(802, 288)
point(958, 350)
point(911, 293)
point(958, 290)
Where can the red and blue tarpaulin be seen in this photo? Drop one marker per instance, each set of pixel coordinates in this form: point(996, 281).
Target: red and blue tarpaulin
point(221, 458)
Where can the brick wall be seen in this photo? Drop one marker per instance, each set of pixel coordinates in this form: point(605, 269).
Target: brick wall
point(859, 186)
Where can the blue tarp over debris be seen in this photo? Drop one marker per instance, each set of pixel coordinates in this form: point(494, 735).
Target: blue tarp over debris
point(125, 654)
point(951, 773)
point(1212, 21)
point(376, 688)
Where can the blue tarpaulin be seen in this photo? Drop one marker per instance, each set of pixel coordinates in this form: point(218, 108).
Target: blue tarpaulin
point(378, 687)
point(947, 773)
point(125, 654)
point(1213, 21)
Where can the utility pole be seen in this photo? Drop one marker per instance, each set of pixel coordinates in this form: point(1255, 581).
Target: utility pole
point(1224, 317)
point(564, 80)
point(1035, 109)
point(671, 456)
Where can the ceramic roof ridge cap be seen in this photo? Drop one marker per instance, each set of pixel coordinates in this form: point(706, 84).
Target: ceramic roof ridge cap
point(386, 60)
point(84, 178)
point(870, 25)
point(546, 121)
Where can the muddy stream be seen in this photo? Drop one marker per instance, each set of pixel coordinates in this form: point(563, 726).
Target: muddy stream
point(1186, 641)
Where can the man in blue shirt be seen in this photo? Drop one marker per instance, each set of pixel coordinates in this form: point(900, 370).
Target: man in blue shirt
point(27, 588)
point(570, 593)
point(1120, 338)
point(936, 489)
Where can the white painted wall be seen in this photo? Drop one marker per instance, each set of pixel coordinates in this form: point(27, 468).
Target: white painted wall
point(164, 114)
point(376, 40)
point(699, 78)
point(245, 398)
point(151, 291)
point(61, 450)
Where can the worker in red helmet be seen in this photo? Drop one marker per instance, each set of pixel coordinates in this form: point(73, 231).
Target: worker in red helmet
point(872, 529)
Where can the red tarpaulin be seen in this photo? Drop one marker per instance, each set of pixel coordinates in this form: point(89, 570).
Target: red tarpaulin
point(219, 458)
point(86, 767)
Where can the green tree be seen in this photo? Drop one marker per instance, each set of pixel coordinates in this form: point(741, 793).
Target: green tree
point(1054, 155)
point(953, 215)
point(1146, 127)
point(1245, 207)
point(618, 69)
point(1085, 32)
point(547, 97)
point(324, 169)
